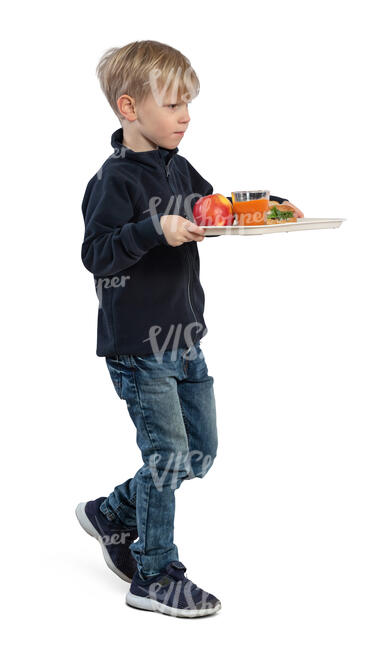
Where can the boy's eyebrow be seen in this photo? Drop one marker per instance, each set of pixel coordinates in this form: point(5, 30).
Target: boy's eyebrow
point(176, 102)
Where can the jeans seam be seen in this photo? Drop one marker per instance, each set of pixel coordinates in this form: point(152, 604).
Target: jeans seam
point(143, 529)
point(116, 376)
point(185, 421)
point(107, 513)
point(143, 413)
point(120, 384)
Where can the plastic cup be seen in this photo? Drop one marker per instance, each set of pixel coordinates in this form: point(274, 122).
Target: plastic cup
point(250, 207)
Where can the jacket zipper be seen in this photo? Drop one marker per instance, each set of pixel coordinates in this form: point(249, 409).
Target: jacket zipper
point(167, 171)
point(189, 277)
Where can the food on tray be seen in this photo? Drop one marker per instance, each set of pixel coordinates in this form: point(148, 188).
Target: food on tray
point(248, 208)
point(280, 213)
point(251, 207)
point(213, 210)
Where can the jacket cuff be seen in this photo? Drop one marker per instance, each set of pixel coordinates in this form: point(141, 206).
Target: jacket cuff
point(276, 198)
point(272, 197)
point(148, 232)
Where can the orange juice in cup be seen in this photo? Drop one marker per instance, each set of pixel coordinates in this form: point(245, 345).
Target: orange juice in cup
point(250, 208)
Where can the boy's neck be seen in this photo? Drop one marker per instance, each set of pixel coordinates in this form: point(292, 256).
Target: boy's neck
point(137, 142)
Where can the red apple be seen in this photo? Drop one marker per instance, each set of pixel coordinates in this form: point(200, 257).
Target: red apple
point(213, 210)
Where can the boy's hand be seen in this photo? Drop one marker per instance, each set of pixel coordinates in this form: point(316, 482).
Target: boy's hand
point(297, 213)
point(178, 230)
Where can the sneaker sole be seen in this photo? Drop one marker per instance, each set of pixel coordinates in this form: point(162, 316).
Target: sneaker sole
point(141, 602)
point(89, 528)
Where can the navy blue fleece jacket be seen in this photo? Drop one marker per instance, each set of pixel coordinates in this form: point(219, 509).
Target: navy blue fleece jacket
point(149, 292)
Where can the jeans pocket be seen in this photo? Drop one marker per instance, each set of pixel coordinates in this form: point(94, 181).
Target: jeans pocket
point(114, 368)
point(146, 361)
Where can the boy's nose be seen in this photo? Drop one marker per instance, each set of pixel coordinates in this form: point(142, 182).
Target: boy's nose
point(185, 117)
point(185, 122)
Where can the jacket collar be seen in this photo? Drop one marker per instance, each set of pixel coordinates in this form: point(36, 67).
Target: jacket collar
point(151, 157)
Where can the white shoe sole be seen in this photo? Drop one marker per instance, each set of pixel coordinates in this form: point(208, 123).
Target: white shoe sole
point(89, 528)
point(142, 602)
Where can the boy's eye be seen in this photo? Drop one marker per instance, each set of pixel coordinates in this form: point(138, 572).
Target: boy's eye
point(173, 105)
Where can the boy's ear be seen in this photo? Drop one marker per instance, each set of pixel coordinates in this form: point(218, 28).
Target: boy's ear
point(127, 107)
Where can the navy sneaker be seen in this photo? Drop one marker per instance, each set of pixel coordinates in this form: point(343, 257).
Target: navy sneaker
point(115, 540)
point(171, 593)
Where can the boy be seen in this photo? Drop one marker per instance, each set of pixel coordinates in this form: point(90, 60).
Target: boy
point(140, 243)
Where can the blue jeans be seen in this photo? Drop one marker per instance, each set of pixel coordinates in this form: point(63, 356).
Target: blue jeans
point(170, 399)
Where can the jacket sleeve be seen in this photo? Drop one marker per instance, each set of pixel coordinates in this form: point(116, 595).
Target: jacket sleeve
point(276, 198)
point(113, 241)
point(271, 198)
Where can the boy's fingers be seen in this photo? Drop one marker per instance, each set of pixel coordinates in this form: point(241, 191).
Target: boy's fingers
point(294, 207)
point(195, 238)
point(192, 227)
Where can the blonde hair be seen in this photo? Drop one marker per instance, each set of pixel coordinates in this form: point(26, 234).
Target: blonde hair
point(142, 67)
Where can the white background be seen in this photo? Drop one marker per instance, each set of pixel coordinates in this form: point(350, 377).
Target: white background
point(282, 529)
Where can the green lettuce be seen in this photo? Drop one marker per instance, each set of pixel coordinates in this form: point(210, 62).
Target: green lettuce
point(274, 213)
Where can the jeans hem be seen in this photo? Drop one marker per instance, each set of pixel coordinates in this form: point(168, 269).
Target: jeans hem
point(150, 565)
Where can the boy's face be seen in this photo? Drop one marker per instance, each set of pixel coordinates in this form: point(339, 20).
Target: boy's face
point(162, 123)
